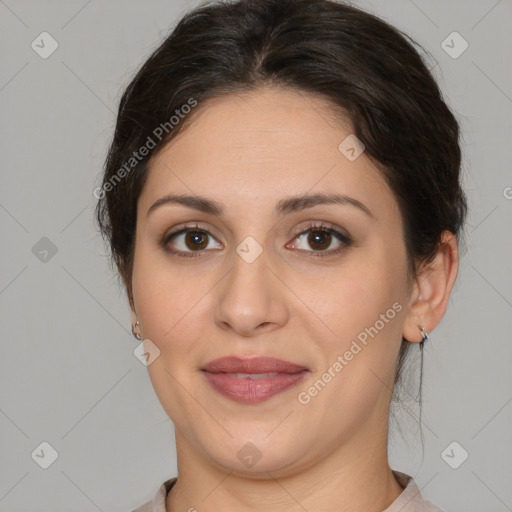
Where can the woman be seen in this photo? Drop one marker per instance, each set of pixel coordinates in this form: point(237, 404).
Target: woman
point(282, 201)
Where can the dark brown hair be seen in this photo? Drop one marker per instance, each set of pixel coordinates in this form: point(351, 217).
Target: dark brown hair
point(364, 67)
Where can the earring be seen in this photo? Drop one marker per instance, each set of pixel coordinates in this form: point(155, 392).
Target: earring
point(424, 333)
point(135, 334)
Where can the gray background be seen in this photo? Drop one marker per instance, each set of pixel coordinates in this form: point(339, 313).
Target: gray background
point(68, 375)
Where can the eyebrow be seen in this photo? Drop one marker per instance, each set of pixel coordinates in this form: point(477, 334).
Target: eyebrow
point(283, 207)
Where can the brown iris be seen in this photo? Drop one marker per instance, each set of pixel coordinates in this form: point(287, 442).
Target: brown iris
point(319, 237)
point(198, 240)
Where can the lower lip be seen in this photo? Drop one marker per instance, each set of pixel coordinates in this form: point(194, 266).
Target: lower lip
point(253, 391)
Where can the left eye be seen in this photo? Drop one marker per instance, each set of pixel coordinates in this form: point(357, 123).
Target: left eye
point(320, 239)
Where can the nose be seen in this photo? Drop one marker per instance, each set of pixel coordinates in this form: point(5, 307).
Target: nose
point(251, 299)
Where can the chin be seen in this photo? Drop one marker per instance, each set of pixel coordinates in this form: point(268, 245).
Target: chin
point(254, 456)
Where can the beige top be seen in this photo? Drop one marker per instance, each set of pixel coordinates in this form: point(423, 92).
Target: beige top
point(409, 501)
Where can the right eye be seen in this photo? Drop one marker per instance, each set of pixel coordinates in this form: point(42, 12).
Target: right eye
point(188, 240)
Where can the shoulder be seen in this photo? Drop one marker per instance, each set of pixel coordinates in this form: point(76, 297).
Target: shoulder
point(411, 499)
point(157, 504)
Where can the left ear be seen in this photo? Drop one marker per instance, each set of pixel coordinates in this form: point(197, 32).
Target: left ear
point(432, 288)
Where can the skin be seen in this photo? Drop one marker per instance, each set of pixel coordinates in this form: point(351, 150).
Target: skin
point(248, 151)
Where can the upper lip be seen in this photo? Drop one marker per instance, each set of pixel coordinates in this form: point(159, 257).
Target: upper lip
point(233, 364)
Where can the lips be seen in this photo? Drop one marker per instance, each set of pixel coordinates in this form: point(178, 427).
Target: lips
point(252, 380)
point(252, 365)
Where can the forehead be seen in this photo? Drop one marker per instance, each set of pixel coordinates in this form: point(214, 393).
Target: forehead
point(272, 122)
point(262, 145)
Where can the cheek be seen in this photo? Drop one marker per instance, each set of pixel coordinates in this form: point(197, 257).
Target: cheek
point(173, 305)
point(363, 313)
point(168, 307)
point(354, 296)
point(172, 311)
point(362, 304)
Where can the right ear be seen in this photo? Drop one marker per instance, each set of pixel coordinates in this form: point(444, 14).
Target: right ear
point(133, 319)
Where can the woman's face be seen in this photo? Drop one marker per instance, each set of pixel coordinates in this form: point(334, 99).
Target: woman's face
point(261, 279)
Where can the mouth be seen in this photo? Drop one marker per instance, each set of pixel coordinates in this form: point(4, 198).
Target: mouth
point(253, 376)
point(252, 380)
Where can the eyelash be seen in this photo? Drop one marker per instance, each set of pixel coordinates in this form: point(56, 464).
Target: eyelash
point(344, 239)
